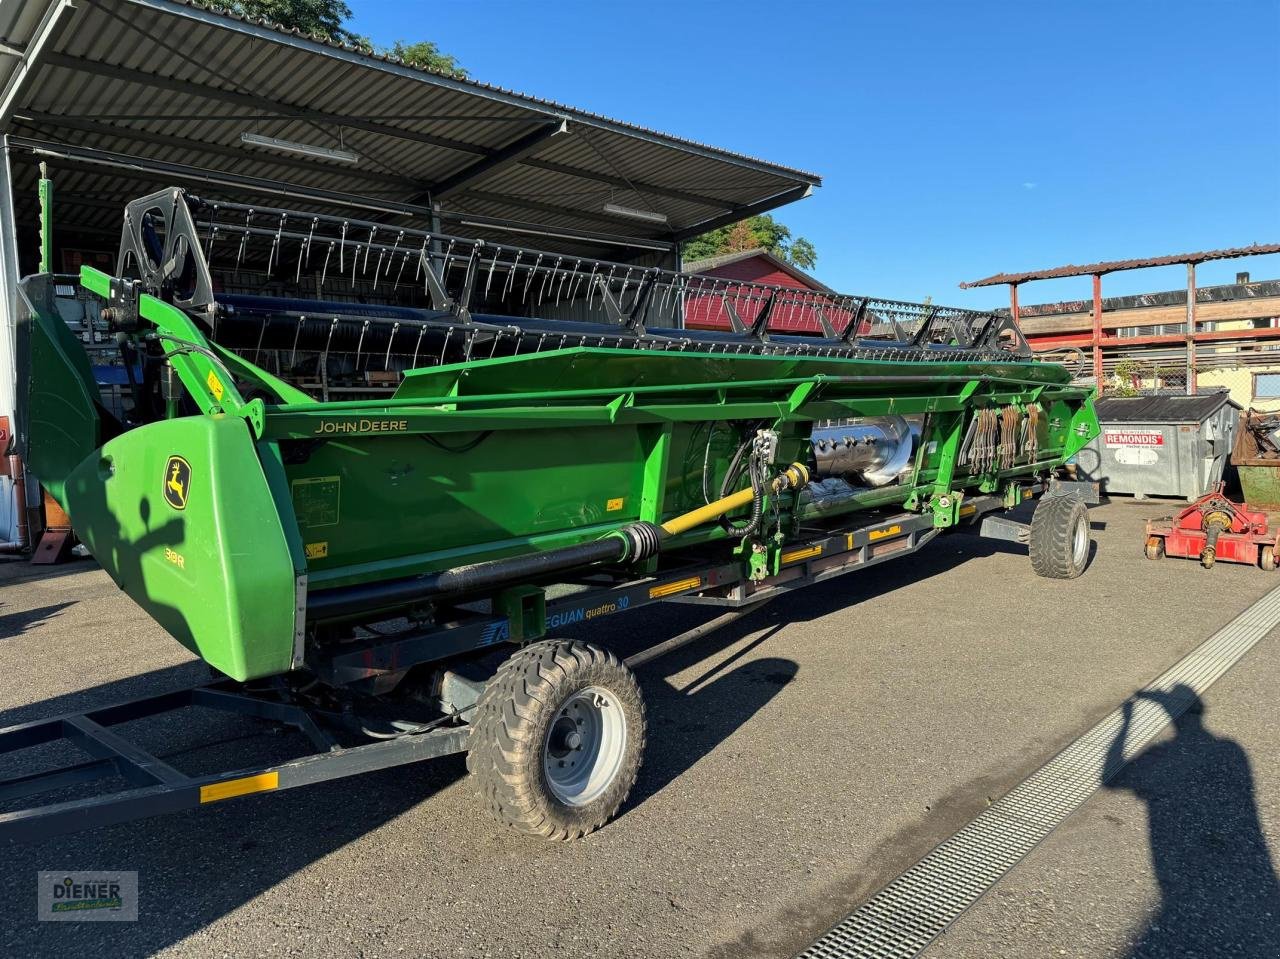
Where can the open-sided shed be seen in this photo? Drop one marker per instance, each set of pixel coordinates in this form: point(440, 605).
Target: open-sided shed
point(121, 97)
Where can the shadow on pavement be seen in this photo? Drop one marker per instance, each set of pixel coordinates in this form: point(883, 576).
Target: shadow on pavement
point(14, 624)
point(198, 867)
point(1219, 891)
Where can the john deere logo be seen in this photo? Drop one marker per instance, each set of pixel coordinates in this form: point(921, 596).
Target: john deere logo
point(177, 481)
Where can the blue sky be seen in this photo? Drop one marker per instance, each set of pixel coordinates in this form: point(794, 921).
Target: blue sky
point(955, 140)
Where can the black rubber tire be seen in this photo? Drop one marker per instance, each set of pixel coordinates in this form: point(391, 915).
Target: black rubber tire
point(1053, 532)
point(510, 727)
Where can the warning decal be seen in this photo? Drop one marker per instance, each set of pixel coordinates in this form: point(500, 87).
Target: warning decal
point(316, 500)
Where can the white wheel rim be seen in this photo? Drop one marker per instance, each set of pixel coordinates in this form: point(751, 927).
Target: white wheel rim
point(1080, 541)
point(584, 746)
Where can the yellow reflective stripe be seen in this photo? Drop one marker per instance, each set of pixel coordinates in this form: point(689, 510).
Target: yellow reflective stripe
point(679, 586)
point(230, 788)
point(799, 554)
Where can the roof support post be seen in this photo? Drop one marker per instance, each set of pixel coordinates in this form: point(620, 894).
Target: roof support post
point(1097, 330)
point(1013, 303)
point(1191, 329)
point(12, 493)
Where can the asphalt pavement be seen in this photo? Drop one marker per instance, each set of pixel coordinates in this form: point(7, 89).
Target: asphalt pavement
point(798, 759)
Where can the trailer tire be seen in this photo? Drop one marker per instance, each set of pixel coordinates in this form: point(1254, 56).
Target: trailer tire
point(1267, 558)
point(548, 703)
point(1060, 537)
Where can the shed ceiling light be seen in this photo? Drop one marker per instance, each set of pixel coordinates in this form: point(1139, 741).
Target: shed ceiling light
point(647, 215)
point(305, 149)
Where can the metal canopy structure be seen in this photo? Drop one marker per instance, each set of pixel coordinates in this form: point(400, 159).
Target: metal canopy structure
point(174, 87)
point(1115, 266)
point(124, 97)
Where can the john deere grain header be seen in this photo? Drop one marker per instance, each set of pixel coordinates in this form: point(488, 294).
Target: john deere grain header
point(399, 461)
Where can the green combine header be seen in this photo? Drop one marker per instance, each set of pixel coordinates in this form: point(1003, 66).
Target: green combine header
point(392, 460)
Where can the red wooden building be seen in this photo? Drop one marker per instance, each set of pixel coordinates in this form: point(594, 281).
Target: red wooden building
point(743, 282)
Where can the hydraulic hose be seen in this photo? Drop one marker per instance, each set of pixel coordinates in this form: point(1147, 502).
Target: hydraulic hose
point(631, 543)
point(793, 476)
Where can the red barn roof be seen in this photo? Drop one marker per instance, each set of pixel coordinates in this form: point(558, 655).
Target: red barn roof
point(739, 271)
point(755, 265)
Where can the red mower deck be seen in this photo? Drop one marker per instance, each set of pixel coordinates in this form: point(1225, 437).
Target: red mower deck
point(1214, 528)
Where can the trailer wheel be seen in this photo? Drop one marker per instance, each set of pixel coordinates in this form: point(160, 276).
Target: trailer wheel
point(557, 739)
point(1155, 547)
point(1267, 558)
point(1060, 537)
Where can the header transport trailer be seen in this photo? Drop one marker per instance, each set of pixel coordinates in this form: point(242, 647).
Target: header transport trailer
point(531, 440)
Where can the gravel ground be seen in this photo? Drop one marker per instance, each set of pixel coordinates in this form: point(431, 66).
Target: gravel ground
point(798, 760)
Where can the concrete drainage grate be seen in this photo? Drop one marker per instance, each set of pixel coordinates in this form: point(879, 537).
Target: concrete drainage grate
point(907, 915)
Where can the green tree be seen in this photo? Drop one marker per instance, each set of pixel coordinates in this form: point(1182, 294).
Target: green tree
point(328, 18)
point(321, 18)
point(427, 56)
point(758, 232)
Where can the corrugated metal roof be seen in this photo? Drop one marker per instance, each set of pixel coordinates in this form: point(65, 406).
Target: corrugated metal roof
point(176, 81)
point(1161, 409)
point(1113, 266)
point(468, 81)
point(1221, 293)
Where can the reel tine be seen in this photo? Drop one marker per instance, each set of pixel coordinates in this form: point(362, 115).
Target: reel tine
point(332, 326)
point(559, 289)
point(244, 241)
point(404, 261)
point(489, 279)
point(213, 212)
point(315, 220)
point(422, 258)
point(373, 231)
point(622, 294)
point(529, 278)
point(386, 360)
point(324, 272)
point(577, 278)
point(422, 329)
point(360, 343)
point(275, 243)
point(547, 278)
point(342, 246)
point(510, 282)
point(293, 357)
point(394, 247)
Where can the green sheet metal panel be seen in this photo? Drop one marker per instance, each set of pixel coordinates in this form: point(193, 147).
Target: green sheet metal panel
point(180, 515)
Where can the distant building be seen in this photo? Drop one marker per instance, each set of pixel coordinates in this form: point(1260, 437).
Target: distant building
point(730, 276)
point(1144, 336)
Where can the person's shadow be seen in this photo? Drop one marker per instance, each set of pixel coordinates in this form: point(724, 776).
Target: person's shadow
point(1219, 891)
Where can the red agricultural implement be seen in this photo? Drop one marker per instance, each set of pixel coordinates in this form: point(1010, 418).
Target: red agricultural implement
point(1214, 528)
